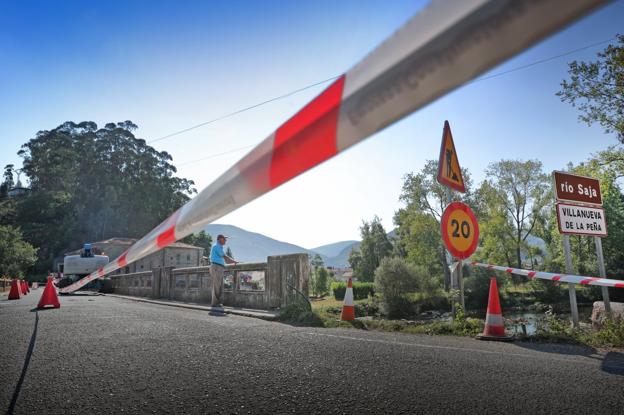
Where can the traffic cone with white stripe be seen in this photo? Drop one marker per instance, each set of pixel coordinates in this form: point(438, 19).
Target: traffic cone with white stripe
point(494, 323)
point(348, 309)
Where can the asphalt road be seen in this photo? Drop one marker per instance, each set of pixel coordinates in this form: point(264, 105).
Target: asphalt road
point(100, 354)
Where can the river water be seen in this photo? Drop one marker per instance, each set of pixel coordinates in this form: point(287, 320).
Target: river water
point(514, 320)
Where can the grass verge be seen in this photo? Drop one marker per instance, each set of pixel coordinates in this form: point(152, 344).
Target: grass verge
point(550, 329)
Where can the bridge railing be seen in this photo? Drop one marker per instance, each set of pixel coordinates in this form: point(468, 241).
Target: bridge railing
point(264, 285)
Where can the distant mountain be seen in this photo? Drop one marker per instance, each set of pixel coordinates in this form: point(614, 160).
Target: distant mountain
point(342, 259)
point(251, 246)
point(254, 247)
point(333, 250)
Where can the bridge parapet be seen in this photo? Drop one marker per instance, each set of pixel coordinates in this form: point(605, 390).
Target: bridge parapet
point(264, 285)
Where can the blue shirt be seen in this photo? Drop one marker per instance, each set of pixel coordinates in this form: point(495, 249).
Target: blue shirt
point(216, 254)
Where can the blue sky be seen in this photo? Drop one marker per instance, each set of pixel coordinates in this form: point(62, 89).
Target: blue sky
point(169, 65)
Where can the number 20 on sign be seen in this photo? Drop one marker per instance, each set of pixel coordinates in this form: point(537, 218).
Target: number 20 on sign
point(460, 230)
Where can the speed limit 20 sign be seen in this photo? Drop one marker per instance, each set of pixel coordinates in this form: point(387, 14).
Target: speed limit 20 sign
point(460, 230)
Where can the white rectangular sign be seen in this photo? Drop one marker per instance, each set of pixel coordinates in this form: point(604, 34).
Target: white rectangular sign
point(581, 220)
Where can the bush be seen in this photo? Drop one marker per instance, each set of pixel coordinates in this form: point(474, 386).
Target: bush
point(361, 290)
point(549, 292)
point(555, 329)
point(396, 281)
point(477, 286)
point(298, 312)
point(319, 281)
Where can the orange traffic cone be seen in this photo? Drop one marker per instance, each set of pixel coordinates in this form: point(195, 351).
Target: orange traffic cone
point(26, 288)
point(49, 296)
point(348, 310)
point(494, 323)
point(23, 288)
point(16, 290)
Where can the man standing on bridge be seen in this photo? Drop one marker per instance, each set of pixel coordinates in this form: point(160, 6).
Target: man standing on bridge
point(218, 259)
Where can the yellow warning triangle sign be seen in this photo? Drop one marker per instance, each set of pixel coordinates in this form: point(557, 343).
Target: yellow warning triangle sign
point(449, 171)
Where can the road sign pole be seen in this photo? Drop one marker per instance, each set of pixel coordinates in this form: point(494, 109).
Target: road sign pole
point(460, 281)
point(603, 273)
point(449, 256)
point(571, 289)
point(453, 274)
point(460, 232)
point(450, 175)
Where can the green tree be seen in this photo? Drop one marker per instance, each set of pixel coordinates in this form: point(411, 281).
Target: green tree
point(317, 265)
point(597, 89)
point(229, 253)
point(355, 259)
point(496, 231)
point(396, 280)
point(321, 281)
point(374, 247)
point(418, 223)
point(89, 183)
point(518, 191)
point(7, 180)
point(16, 255)
point(317, 261)
point(201, 239)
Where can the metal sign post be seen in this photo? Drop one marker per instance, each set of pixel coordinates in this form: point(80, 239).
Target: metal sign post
point(585, 217)
point(460, 283)
point(449, 174)
point(449, 257)
point(571, 289)
point(460, 233)
point(603, 273)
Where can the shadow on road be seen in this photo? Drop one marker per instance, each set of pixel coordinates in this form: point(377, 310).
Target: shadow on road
point(81, 294)
point(29, 353)
point(560, 348)
point(36, 309)
point(612, 362)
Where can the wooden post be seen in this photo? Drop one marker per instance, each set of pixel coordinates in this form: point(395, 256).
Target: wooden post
point(571, 289)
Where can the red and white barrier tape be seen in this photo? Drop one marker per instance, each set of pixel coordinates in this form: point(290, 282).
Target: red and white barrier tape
point(439, 49)
point(574, 279)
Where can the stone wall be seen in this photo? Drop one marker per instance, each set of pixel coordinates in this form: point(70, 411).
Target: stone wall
point(171, 256)
point(268, 285)
point(599, 314)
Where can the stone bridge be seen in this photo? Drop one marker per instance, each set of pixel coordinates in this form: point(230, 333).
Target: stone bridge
point(266, 285)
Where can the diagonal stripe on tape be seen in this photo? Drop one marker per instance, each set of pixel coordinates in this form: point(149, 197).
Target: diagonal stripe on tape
point(308, 138)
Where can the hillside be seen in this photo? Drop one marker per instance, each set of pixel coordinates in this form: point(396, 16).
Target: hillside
point(335, 249)
point(255, 247)
point(251, 246)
